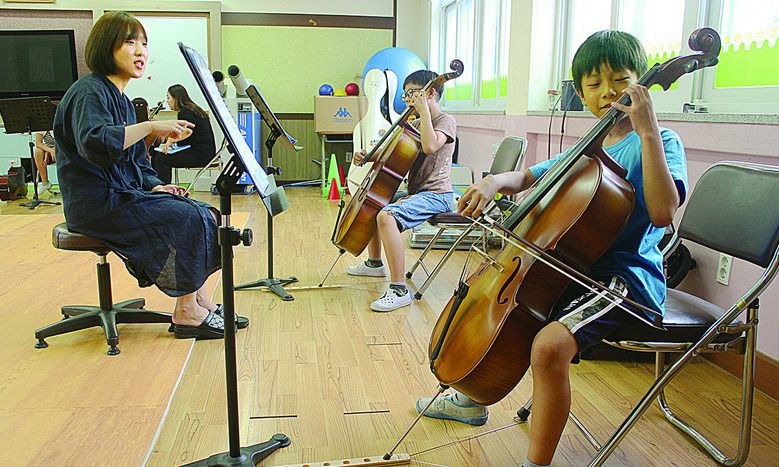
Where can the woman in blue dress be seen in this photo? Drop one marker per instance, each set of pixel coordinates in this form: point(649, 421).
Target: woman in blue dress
point(111, 192)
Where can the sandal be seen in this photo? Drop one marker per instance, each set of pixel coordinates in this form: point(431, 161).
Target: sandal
point(211, 328)
point(241, 322)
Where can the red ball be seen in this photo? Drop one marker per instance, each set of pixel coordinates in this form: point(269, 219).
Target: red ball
point(352, 89)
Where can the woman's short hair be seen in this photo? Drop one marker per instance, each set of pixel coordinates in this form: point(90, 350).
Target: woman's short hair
point(107, 35)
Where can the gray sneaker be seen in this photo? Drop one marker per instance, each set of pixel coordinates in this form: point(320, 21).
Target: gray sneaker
point(362, 269)
point(447, 407)
point(43, 186)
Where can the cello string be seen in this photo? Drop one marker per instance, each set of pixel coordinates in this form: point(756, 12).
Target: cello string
point(468, 438)
point(610, 293)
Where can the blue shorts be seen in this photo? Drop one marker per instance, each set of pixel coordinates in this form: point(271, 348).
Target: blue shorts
point(412, 210)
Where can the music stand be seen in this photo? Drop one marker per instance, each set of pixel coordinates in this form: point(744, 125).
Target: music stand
point(276, 285)
point(242, 161)
point(28, 115)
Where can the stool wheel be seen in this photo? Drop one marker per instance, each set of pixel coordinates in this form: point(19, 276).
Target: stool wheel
point(41, 344)
point(418, 296)
point(408, 275)
point(114, 350)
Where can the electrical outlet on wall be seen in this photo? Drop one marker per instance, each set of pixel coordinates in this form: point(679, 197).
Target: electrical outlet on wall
point(723, 268)
point(349, 157)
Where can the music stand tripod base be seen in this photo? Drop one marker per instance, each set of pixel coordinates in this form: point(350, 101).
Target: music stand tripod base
point(250, 455)
point(272, 284)
point(397, 459)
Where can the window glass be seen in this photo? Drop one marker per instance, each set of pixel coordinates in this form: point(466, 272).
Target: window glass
point(750, 55)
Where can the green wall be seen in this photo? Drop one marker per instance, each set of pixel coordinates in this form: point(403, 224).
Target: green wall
point(289, 64)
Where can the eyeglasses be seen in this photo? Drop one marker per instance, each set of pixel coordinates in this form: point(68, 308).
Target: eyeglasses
point(406, 96)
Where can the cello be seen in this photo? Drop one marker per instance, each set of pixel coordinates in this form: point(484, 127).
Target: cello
point(392, 157)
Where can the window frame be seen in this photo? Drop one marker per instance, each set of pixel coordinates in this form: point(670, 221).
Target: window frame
point(438, 54)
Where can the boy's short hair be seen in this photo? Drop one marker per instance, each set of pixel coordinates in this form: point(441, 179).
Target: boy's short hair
point(421, 78)
point(621, 50)
point(107, 35)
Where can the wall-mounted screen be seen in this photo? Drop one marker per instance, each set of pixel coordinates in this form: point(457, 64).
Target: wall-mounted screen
point(37, 63)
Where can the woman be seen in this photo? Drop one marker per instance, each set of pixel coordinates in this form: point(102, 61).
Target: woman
point(110, 191)
point(201, 142)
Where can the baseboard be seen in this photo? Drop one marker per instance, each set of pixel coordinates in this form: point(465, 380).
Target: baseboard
point(766, 370)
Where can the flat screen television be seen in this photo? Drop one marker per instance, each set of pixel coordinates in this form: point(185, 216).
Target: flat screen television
point(37, 63)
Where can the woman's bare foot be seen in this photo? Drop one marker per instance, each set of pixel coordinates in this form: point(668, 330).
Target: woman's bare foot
point(189, 314)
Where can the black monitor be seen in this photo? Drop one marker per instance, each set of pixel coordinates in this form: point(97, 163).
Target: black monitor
point(37, 63)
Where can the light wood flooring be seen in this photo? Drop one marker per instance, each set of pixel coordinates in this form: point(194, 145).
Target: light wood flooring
point(340, 380)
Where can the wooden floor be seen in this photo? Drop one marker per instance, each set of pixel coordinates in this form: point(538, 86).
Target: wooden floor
point(338, 379)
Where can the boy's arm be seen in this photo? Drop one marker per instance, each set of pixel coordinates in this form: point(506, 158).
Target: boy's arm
point(432, 140)
point(660, 191)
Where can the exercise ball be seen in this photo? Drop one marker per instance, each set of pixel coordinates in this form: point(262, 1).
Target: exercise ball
point(352, 89)
point(402, 62)
point(339, 93)
point(325, 90)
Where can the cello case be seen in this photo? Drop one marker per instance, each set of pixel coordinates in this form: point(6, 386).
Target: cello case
point(371, 128)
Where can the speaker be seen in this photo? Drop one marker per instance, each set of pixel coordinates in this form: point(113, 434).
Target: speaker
point(570, 100)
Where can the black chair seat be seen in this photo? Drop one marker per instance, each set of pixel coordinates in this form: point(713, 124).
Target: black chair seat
point(686, 317)
point(64, 239)
point(451, 218)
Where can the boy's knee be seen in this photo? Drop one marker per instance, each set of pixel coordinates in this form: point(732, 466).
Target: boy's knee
point(553, 348)
point(386, 219)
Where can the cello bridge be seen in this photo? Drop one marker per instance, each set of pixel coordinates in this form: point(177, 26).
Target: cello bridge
point(488, 258)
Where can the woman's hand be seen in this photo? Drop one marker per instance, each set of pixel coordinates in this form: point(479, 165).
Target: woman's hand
point(177, 129)
point(172, 189)
point(474, 199)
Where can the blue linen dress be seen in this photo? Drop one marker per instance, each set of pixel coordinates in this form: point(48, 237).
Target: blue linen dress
point(164, 239)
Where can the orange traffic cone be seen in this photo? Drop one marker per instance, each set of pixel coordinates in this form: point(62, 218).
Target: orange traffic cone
point(334, 194)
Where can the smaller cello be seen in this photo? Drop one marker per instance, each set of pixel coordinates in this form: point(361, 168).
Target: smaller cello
point(392, 157)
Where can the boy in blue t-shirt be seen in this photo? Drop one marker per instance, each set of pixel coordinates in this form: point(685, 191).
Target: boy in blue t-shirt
point(604, 67)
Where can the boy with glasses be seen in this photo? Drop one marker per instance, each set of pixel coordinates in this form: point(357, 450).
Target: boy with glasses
point(429, 192)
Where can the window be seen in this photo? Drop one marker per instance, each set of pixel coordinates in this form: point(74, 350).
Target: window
point(476, 32)
point(747, 76)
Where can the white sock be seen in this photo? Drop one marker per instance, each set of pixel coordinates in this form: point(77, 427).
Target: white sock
point(527, 463)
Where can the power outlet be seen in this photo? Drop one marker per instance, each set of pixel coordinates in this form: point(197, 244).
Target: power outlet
point(723, 268)
point(349, 157)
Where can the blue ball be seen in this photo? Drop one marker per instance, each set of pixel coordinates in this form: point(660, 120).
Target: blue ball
point(402, 62)
point(325, 90)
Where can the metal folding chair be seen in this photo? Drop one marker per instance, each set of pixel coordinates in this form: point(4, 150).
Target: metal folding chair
point(733, 210)
point(509, 156)
point(213, 164)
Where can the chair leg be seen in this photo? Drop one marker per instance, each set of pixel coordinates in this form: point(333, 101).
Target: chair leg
point(747, 397)
point(420, 260)
point(442, 262)
point(660, 383)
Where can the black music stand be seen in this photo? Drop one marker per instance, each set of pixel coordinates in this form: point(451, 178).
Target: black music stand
point(25, 116)
point(276, 285)
point(242, 161)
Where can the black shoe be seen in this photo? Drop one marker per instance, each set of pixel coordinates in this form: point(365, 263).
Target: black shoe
point(241, 322)
point(211, 328)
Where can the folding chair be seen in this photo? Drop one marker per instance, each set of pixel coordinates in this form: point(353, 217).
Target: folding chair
point(213, 164)
point(509, 157)
point(733, 210)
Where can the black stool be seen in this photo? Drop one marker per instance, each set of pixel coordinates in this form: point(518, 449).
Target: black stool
point(107, 314)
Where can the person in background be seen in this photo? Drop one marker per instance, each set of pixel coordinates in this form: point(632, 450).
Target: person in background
point(44, 155)
point(202, 148)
